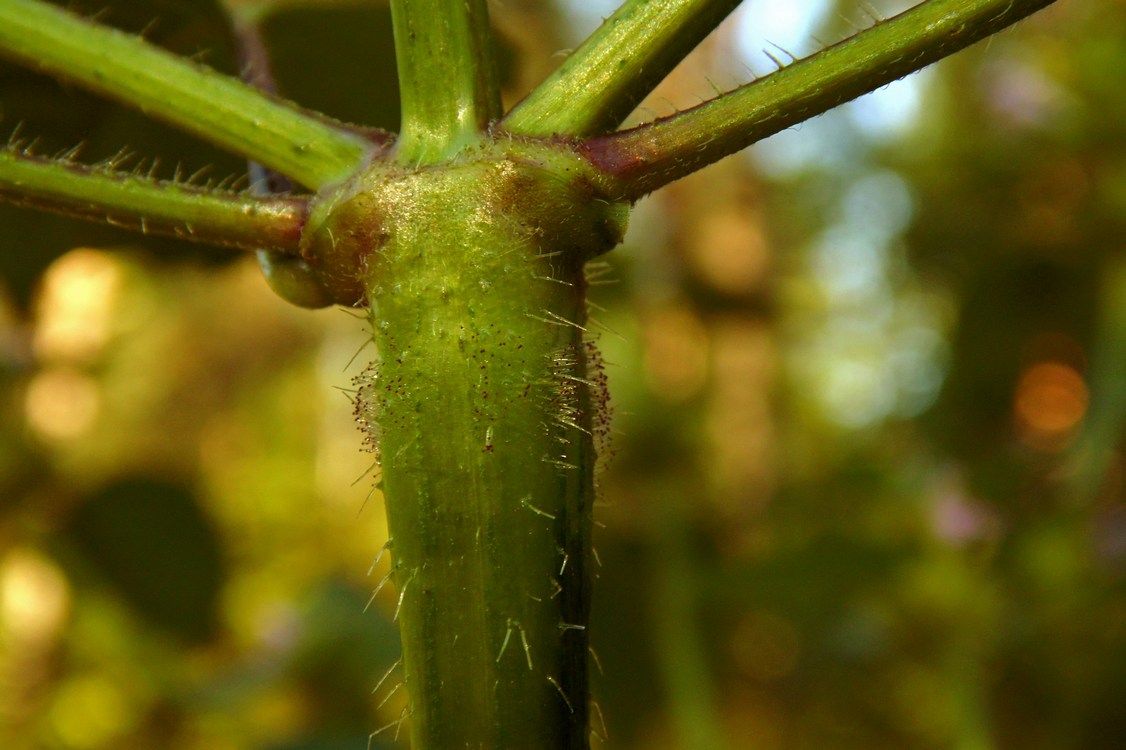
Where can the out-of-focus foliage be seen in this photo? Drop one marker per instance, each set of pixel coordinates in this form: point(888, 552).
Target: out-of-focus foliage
point(866, 491)
point(37, 110)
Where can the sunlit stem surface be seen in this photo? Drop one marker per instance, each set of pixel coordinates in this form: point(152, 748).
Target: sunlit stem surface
point(447, 81)
point(601, 82)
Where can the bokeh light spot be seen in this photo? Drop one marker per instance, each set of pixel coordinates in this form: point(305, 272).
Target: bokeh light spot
point(75, 306)
point(676, 353)
point(34, 597)
point(1050, 400)
point(61, 404)
point(90, 711)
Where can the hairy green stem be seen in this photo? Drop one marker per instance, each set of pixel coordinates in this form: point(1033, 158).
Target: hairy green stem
point(484, 407)
point(605, 78)
point(447, 80)
point(150, 206)
point(217, 108)
point(645, 158)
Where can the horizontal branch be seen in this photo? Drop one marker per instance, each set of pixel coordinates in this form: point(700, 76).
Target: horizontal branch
point(645, 158)
point(213, 106)
point(136, 202)
point(608, 75)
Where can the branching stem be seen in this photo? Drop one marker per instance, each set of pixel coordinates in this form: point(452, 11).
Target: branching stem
point(645, 158)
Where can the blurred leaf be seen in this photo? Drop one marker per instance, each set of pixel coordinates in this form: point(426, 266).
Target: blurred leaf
point(57, 117)
point(357, 82)
point(149, 539)
point(344, 648)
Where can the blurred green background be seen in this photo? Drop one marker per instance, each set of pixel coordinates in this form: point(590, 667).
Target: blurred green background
point(869, 379)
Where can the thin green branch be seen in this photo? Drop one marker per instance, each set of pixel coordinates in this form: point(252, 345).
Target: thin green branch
point(140, 203)
point(609, 74)
point(215, 107)
point(645, 158)
point(447, 79)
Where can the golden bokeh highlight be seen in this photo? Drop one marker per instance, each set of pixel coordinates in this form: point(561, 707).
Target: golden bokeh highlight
point(739, 419)
point(75, 306)
point(34, 599)
point(91, 711)
point(730, 252)
point(61, 404)
point(676, 352)
point(1051, 399)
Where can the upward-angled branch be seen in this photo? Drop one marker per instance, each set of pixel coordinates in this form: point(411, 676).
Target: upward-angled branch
point(602, 81)
point(215, 107)
point(137, 202)
point(447, 81)
point(645, 158)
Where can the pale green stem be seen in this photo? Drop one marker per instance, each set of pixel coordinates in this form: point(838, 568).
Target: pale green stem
point(215, 107)
point(1094, 451)
point(602, 81)
point(447, 81)
point(681, 654)
point(658, 153)
point(139, 203)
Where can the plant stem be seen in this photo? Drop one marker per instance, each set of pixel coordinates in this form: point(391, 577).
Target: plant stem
point(603, 80)
point(215, 107)
point(484, 411)
point(447, 80)
point(1091, 457)
point(149, 206)
point(682, 657)
point(645, 158)
point(291, 278)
